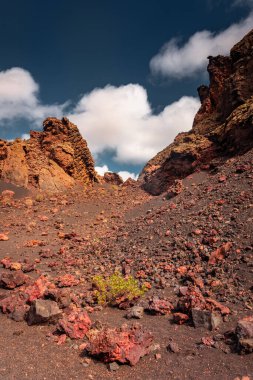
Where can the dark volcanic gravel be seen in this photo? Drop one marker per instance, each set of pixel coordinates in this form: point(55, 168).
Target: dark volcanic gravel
point(167, 243)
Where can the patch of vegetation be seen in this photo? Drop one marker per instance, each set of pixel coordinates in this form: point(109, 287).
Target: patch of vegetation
point(116, 287)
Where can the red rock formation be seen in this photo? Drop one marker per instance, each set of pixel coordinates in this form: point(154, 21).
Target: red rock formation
point(222, 126)
point(125, 344)
point(113, 178)
point(51, 160)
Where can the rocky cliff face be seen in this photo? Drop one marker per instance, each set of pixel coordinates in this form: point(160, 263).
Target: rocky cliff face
point(223, 125)
point(51, 160)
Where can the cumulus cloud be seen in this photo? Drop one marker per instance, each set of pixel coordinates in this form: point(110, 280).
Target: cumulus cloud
point(120, 119)
point(19, 97)
point(101, 170)
point(125, 175)
point(25, 136)
point(178, 61)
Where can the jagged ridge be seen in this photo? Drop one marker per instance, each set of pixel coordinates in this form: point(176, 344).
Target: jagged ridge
point(223, 125)
point(50, 160)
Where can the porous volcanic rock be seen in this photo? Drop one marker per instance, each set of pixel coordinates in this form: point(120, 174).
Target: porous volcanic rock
point(223, 125)
point(124, 345)
point(51, 160)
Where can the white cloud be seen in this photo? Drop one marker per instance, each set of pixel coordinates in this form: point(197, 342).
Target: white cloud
point(19, 97)
point(25, 136)
point(101, 170)
point(116, 118)
point(182, 61)
point(125, 175)
point(121, 119)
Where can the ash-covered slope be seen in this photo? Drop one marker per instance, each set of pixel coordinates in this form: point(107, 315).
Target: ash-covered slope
point(52, 160)
point(223, 125)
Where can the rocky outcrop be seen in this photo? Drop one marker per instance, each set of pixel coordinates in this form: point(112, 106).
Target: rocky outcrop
point(51, 160)
point(223, 125)
point(113, 178)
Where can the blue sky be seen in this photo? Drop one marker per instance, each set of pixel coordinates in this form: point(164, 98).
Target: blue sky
point(125, 72)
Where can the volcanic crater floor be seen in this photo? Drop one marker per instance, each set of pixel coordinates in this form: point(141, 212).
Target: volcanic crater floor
point(165, 242)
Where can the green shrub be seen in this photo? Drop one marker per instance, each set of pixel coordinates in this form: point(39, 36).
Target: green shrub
point(109, 290)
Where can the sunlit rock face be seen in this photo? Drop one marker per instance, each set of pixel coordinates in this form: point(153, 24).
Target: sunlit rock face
point(223, 125)
point(51, 160)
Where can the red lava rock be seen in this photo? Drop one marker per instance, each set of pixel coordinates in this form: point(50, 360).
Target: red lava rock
point(220, 253)
point(67, 280)
point(159, 306)
point(242, 169)
point(180, 318)
point(13, 280)
point(183, 290)
point(15, 266)
point(222, 178)
point(6, 262)
point(244, 332)
point(202, 307)
point(182, 270)
point(3, 237)
point(67, 236)
point(215, 305)
point(7, 197)
point(61, 339)
point(38, 289)
point(75, 325)
point(28, 267)
point(175, 189)
point(15, 306)
point(62, 296)
point(46, 253)
point(173, 347)
point(124, 345)
point(34, 243)
point(207, 341)
point(43, 218)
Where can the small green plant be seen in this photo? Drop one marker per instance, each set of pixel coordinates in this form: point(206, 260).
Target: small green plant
point(116, 287)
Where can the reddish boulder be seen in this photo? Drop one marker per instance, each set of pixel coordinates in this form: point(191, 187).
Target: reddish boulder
point(6, 197)
point(13, 280)
point(220, 253)
point(14, 306)
point(3, 237)
point(75, 325)
point(158, 306)
point(37, 289)
point(67, 280)
point(244, 332)
point(203, 311)
point(175, 189)
point(124, 345)
point(113, 178)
